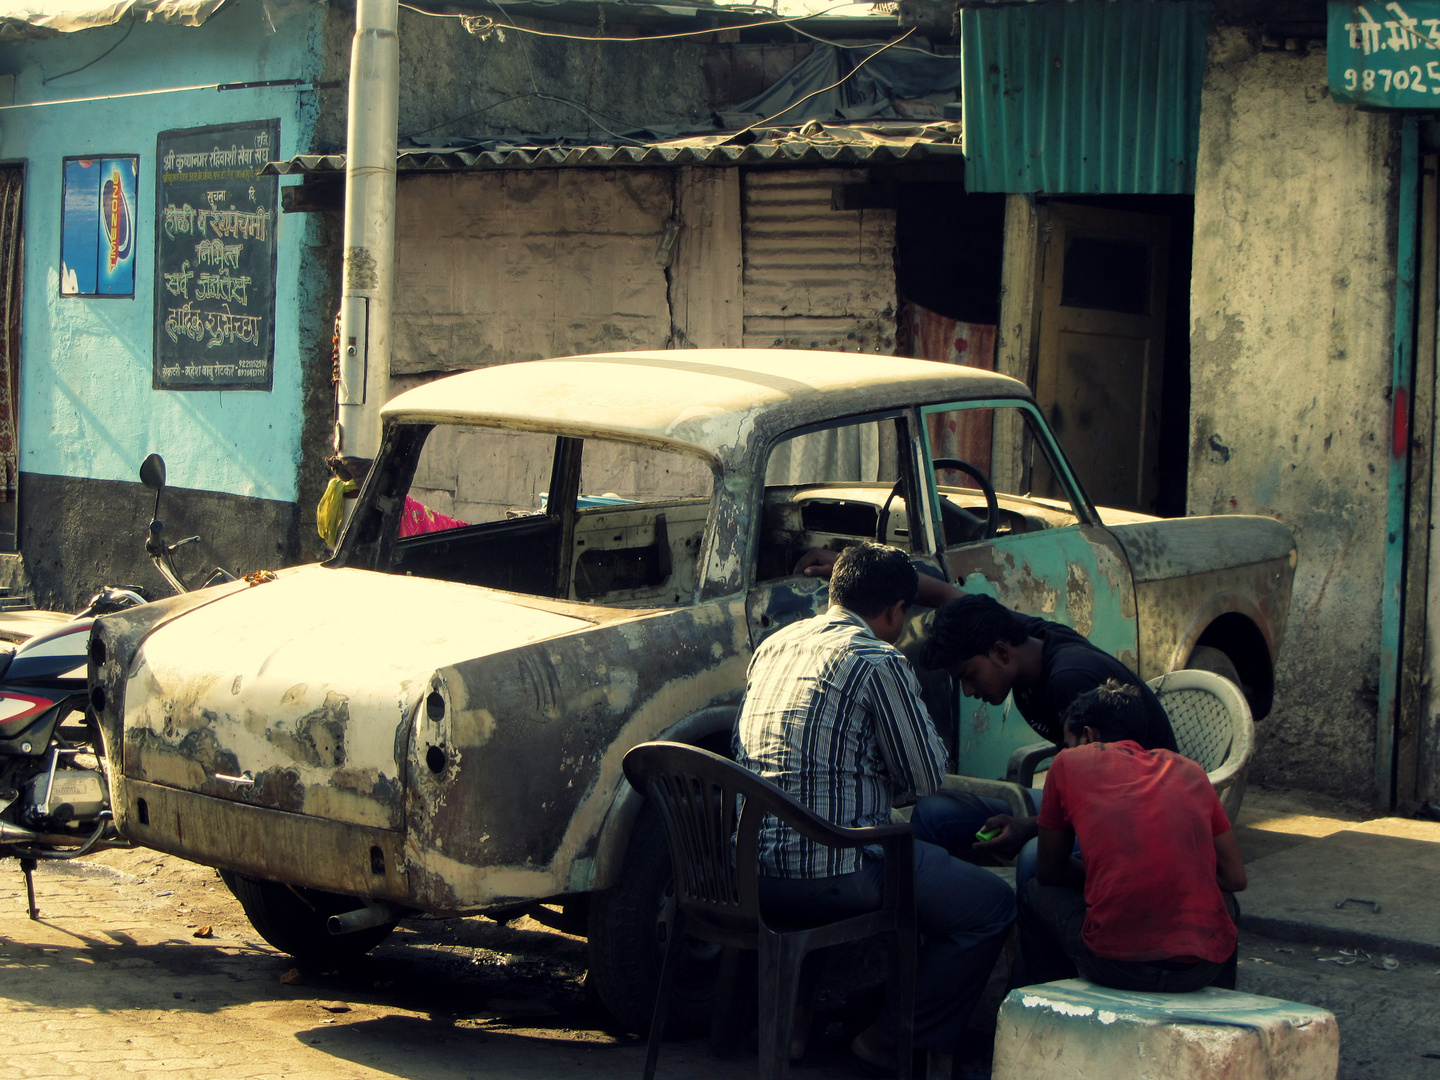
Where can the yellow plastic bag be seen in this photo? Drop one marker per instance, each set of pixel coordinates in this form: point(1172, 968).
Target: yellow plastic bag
point(331, 511)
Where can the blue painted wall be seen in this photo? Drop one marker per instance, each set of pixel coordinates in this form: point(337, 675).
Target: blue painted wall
point(87, 407)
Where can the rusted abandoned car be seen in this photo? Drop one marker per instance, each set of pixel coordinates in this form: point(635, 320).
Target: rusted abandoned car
point(553, 561)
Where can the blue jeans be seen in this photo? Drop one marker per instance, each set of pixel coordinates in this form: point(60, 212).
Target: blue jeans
point(950, 820)
point(964, 914)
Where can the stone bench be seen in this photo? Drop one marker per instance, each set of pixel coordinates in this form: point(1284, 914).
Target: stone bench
point(1075, 1030)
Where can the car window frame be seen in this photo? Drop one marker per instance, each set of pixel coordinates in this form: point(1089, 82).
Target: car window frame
point(395, 467)
point(907, 449)
point(1084, 509)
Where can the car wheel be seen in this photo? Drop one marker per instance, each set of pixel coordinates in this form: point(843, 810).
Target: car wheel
point(1208, 658)
point(629, 926)
point(293, 920)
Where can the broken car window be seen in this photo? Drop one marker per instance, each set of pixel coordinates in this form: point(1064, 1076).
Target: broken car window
point(597, 520)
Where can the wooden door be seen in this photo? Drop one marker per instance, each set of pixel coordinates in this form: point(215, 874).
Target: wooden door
point(1101, 345)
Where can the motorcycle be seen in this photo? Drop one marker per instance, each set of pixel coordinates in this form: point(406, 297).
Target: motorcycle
point(54, 789)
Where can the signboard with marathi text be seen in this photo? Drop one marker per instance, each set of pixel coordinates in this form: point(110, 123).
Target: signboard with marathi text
point(215, 258)
point(1385, 55)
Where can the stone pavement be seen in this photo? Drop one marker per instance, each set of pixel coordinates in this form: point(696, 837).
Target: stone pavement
point(112, 982)
point(1340, 912)
point(1333, 878)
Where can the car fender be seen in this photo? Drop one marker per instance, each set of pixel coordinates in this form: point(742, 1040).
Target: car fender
point(1221, 604)
point(614, 838)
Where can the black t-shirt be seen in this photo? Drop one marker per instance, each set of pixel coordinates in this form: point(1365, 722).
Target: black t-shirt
point(1069, 666)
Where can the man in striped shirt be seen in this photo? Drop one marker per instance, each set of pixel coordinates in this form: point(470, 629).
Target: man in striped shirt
point(833, 716)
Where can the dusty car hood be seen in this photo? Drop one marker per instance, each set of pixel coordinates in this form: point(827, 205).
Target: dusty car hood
point(301, 691)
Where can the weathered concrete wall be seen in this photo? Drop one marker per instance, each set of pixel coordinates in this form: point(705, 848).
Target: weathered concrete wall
point(1292, 309)
point(494, 267)
point(453, 83)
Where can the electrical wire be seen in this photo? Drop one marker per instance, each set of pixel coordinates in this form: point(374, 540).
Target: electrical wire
point(658, 37)
point(480, 21)
point(524, 52)
point(838, 45)
point(82, 67)
point(637, 142)
point(826, 89)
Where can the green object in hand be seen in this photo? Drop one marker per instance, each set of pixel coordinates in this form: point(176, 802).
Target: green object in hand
point(988, 834)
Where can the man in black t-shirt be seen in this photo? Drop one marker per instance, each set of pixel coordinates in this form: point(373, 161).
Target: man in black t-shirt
point(994, 652)
point(1071, 666)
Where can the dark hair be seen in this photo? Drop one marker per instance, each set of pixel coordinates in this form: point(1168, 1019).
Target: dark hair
point(1114, 710)
point(970, 626)
point(868, 578)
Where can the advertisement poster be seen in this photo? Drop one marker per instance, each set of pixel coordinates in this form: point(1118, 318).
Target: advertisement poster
point(215, 257)
point(97, 227)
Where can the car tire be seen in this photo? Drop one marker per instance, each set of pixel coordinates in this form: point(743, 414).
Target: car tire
point(1209, 658)
point(628, 927)
point(1213, 660)
point(293, 920)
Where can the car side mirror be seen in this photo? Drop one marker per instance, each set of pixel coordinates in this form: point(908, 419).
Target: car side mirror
point(152, 473)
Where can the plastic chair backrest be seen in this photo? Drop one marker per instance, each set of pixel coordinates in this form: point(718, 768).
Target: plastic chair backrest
point(1211, 720)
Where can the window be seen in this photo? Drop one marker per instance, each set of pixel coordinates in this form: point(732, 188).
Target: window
point(591, 520)
point(1007, 446)
point(831, 488)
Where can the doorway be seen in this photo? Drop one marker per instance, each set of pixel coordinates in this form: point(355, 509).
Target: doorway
point(1096, 319)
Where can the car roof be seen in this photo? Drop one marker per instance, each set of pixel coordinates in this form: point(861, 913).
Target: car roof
point(714, 400)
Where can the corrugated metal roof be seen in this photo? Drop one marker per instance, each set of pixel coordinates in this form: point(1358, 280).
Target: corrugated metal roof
point(820, 145)
point(1083, 97)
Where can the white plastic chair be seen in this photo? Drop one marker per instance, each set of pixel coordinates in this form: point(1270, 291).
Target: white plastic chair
point(1213, 726)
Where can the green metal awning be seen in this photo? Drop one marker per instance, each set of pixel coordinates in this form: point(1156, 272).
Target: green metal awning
point(1094, 97)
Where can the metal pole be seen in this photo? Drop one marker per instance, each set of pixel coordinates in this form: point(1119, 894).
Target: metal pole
point(1402, 378)
point(368, 292)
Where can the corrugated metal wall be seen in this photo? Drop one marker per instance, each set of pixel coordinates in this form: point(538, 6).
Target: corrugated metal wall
point(1083, 96)
point(815, 278)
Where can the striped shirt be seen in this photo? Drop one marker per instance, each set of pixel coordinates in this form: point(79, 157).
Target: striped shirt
point(833, 717)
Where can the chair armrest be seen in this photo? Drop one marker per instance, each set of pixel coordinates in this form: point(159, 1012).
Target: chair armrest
point(1023, 762)
point(766, 797)
point(897, 841)
point(1021, 805)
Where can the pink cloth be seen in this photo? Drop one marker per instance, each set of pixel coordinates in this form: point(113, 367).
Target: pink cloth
point(419, 519)
point(964, 435)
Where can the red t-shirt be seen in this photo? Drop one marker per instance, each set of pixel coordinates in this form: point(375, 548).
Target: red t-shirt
point(1146, 821)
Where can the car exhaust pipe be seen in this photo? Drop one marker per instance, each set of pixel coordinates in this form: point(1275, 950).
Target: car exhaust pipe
point(10, 834)
point(374, 913)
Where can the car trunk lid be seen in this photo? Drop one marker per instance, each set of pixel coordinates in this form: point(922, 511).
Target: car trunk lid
point(298, 695)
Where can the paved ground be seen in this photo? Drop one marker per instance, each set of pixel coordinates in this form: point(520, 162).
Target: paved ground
point(112, 982)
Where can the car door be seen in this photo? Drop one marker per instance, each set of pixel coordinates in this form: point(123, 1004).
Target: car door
point(1046, 556)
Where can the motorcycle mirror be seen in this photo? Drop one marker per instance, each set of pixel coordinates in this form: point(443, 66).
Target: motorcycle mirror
point(152, 473)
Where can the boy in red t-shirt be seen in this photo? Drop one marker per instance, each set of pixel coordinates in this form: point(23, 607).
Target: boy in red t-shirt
point(1160, 862)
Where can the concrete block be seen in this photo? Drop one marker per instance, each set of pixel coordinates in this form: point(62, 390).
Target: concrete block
point(1074, 1030)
